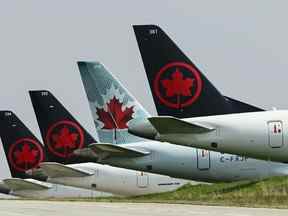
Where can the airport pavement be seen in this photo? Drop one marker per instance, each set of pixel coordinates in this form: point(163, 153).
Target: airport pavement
point(56, 208)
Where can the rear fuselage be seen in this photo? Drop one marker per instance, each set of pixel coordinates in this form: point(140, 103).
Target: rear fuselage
point(197, 164)
point(119, 181)
point(54, 191)
point(262, 135)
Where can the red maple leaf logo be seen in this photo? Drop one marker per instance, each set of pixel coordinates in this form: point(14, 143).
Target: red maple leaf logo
point(177, 85)
point(65, 139)
point(115, 117)
point(26, 155)
point(177, 91)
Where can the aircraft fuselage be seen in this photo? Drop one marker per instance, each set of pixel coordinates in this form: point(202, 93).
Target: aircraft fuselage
point(261, 135)
point(197, 164)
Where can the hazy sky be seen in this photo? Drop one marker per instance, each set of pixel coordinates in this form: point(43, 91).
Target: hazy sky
point(241, 46)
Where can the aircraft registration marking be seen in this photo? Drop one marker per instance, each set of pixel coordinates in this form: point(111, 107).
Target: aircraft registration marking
point(232, 158)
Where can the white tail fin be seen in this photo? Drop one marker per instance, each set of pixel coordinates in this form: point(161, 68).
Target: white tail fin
point(112, 106)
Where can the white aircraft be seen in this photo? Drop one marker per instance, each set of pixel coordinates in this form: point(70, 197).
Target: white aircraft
point(106, 178)
point(259, 135)
point(31, 188)
point(178, 87)
point(113, 108)
point(62, 134)
point(174, 81)
point(23, 151)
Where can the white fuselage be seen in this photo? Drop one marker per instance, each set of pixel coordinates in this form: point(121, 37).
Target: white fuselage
point(7, 196)
point(119, 181)
point(262, 135)
point(196, 164)
point(54, 191)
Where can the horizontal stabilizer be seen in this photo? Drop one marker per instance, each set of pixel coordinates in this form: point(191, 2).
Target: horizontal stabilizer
point(118, 151)
point(171, 125)
point(4, 189)
point(86, 153)
point(16, 184)
point(56, 170)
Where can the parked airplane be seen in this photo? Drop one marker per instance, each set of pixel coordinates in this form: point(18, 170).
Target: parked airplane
point(62, 134)
point(178, 85)
point(258, 135)
point(23, 152)
point(113, 108)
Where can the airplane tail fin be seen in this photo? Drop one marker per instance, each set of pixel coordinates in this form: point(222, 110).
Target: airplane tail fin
point(178, 87)
point(22, 149)
point(240, 107)
point(61, 132)
point(112, 106)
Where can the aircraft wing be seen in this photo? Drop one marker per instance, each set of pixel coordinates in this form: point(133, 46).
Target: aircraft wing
point(55, 170)
point(171, 125)
point(17, 184)
point(110, 150)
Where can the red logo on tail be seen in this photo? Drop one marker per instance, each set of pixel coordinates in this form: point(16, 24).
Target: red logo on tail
point(63, 138)
point(116, 117)
point(25, 154)
point(177, 85)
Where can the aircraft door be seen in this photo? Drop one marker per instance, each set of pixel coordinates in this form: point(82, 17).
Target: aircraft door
point(203, 159)
point(275, 134)
point(142, 180)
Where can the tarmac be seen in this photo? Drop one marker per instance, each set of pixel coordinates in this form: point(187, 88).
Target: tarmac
point(58, 208)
